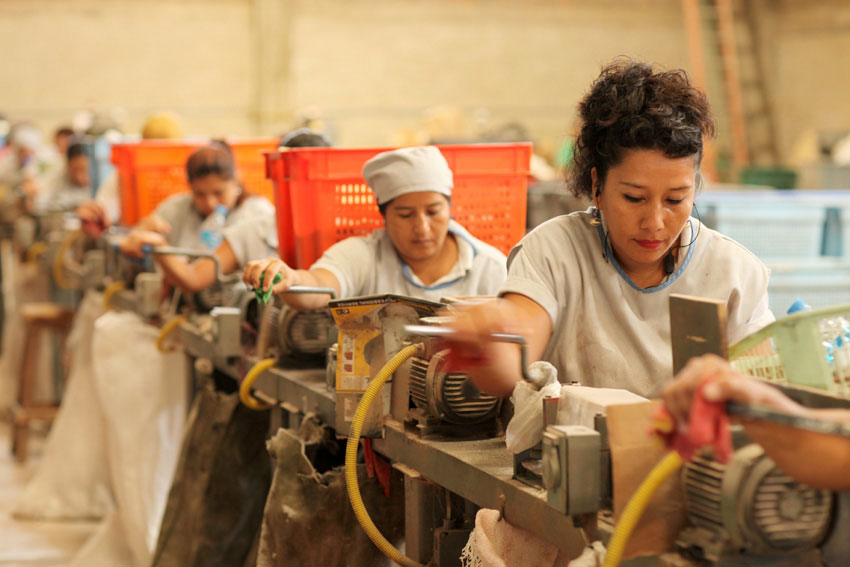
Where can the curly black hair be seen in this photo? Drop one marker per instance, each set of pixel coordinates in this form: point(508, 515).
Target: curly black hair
point(631, 105)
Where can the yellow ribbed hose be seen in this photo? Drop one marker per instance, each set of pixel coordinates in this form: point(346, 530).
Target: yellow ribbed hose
point(351, 458)
point(634, 509)
point(248, 383)
point(111, 290)
point(59, 260)
point(35, 251)
point(166, 330)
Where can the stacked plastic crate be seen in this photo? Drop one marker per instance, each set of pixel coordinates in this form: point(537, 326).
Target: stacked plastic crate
point(803, 236)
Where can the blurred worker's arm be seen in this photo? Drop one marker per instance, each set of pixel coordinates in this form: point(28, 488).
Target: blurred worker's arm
point(200, 274)
point(494, 366)
point(154, 223)
point(815, 459)
point(271, 267)
point(190, 277)
point(94, 218)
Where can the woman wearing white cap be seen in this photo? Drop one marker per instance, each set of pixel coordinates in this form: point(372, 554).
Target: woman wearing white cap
point(420, 252)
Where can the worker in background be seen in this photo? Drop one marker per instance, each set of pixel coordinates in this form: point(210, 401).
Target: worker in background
point(420, 252)
point(213, 178)
point(104, 210)
point(590, 290)
point(70, 185)
point(62, 138)
point(815, 459)
point(25, 163)
point(250, 239)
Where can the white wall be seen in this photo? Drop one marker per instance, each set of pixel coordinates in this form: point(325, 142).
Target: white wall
point(370, 68)
point(192, 56)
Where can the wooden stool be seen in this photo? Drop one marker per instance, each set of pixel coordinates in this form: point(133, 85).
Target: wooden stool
point(38, 318)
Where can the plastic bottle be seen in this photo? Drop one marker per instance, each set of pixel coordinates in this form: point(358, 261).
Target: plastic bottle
point(212, 226)
point(835, 341)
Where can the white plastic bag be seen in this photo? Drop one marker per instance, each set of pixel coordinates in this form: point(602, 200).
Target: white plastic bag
point(72, 480)
point(525, 429)
point(143, 394)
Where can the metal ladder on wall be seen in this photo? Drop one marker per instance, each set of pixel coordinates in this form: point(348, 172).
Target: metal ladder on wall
point(724, 49)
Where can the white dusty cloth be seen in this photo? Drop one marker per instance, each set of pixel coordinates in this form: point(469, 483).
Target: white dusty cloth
point(72, 480)
point(143, 396)
point(496, 543)
point(592, 556)
point(368, 265)
point(579, 405)
point(408, 170)
point(607, 333)
point(185, 220)
point(252, 239)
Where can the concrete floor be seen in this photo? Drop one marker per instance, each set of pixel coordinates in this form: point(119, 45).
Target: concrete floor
point(32, 544)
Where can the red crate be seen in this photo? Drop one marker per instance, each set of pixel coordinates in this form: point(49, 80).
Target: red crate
point(151, 171)
point(321, 197)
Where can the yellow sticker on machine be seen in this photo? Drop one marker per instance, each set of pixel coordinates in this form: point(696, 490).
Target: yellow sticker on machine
point(361, 346)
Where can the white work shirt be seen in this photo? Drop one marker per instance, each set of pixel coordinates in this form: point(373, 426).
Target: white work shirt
point(108, 195)
point(608, 332)
point(57, 194)
point(185, 220)
point(253, 239)
point(369, 265)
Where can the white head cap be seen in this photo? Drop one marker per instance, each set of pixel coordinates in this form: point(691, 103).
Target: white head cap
point(408, 170)
point(25, 136)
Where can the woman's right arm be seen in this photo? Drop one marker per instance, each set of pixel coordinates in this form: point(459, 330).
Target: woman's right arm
point(494, 366)
point(271, 267)
point(154, 223)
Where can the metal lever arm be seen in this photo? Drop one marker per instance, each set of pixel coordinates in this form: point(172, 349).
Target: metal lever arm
point(807, 423)
point(448, 333)
point(189, 253)
point(304, 289)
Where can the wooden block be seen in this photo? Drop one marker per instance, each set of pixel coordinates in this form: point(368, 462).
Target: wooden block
point(634, 453)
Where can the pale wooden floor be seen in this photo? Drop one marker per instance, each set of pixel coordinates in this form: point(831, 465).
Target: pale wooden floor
point(32, 544)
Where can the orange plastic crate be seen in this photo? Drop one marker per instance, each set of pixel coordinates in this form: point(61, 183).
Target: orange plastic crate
point(151, 171)
point(322, 198)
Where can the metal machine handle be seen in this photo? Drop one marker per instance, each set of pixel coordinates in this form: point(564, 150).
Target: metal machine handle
point(448, 333)
point(809, 424)
point(312, 289)
point(189, 253)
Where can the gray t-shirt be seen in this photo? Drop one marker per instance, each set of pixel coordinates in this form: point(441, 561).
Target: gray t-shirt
point(185, 220)
point(609, 333)
point(368, 265)
point(253, 239)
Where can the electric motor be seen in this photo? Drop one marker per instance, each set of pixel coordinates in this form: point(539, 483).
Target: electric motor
point(219, 294)
point(753, 505)
point(305, 333)
point(450, 396)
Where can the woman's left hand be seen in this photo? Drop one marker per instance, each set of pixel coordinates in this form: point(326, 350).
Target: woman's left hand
point(133, 244)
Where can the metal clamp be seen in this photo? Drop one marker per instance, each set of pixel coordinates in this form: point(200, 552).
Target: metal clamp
point(449, 333)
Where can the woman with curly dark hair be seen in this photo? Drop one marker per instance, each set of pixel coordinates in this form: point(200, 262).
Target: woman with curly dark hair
point(590, 290)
